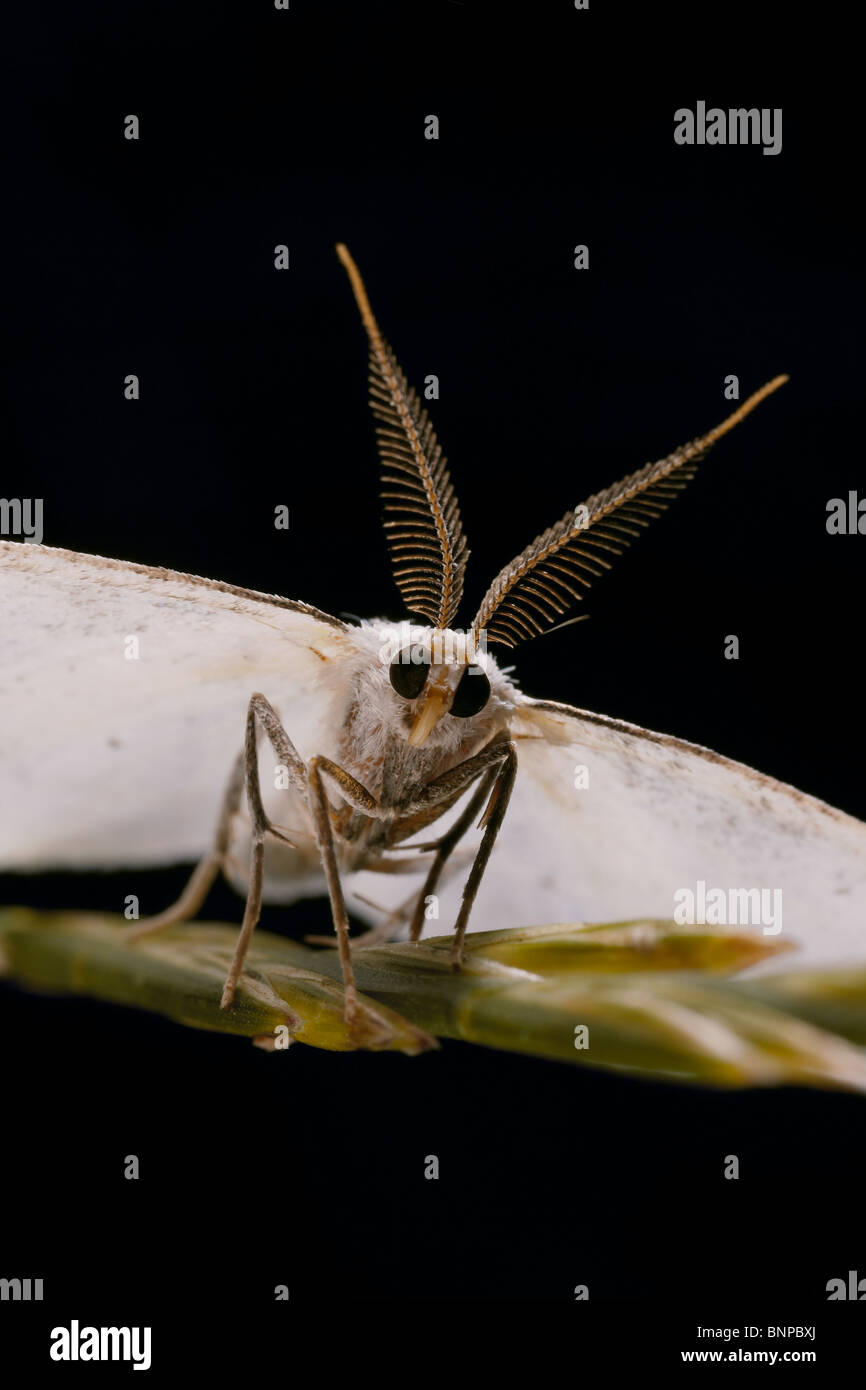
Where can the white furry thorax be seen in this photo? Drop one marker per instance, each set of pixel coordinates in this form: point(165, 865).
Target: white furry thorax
point(374, 738)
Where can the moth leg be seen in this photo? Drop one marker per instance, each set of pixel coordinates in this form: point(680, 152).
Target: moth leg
point(245, 773)
point(260, 712)
point(499, 759)
point(394, 918)
point(457, 778)
point(498, 763)
point(491, 820)
point(205, 872)
point(321, 811)
point(352, 790)
point(445, 846)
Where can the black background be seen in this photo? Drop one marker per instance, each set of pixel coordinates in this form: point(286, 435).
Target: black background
point(156, 258)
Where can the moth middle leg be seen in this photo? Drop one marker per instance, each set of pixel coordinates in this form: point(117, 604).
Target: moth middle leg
point(244, 775)
point(395, 918)
point(496, 765)
point(205, 873)
point(440, 868)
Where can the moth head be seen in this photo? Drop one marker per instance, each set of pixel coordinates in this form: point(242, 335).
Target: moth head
point(435, 686)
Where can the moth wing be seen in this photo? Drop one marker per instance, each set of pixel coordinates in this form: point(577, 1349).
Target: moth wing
point(117, 756)
point(658, 815)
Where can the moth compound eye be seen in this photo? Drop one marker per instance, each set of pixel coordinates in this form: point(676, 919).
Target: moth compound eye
point(408, 672)
point(472, 693)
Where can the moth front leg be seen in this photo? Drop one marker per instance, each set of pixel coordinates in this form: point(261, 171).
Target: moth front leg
point(484, 765)
point(491, 820)
point(445, 847)
point(357, 796)
point(499, 761)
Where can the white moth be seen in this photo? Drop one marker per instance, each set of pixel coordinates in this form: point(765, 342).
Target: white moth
point(372, 751)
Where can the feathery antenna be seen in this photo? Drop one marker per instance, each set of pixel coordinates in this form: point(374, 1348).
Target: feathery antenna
point(546, 578)
point(425, 535)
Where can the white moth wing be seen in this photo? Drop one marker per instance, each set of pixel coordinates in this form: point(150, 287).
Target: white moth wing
point(107, 761)
point(660, 814)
